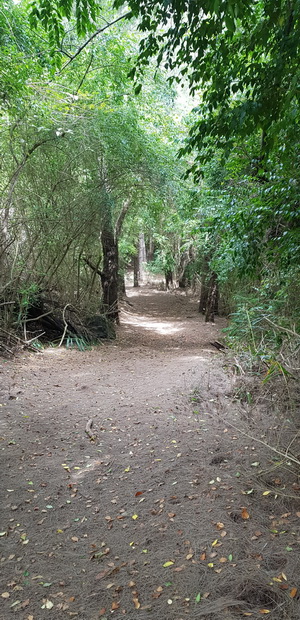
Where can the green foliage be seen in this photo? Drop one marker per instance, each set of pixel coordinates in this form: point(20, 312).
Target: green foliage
point(76, 150)
point(26, 297)
point(80, 145)
point(51, 15)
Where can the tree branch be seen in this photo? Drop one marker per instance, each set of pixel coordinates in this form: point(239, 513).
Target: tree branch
point(121, 217)
point(93, 36)
point(90, 264)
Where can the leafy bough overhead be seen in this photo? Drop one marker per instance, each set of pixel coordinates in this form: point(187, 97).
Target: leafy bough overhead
point(239, 58)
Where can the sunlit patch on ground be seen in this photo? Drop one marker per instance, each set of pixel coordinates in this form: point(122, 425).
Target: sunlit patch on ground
point(160, 327)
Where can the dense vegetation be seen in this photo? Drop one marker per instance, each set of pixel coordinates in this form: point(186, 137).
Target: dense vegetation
point(92, 122)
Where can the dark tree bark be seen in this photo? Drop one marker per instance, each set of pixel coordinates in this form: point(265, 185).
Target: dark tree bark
point(185, 259)
point(204, 285)
point(109, 240)
point(109, 274)
point(136, 271)
point(121, 284)
point(212, 299)
point(169, 279)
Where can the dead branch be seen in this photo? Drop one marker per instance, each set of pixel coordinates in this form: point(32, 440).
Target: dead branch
point(285, 455)
point(282, 329)
point(66, 325)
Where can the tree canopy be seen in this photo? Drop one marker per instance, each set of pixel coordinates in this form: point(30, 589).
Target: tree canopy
point(93, 121)
point(239, 58)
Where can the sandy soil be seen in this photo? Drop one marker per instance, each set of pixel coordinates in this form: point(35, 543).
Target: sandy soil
point(168, 512)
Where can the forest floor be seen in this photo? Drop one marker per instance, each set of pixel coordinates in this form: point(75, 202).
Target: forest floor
point(174, 510)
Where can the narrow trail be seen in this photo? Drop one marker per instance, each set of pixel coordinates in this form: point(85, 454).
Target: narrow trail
point(145, 521)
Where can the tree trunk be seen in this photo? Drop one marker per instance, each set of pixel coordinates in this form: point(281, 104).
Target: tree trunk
point(204, 285)
point(185, 259)
point(142, 256)
point(121, 284)
point(109, 274)
point(169, 279)
point(212, 299)
point(150, 252)
point(136, 271)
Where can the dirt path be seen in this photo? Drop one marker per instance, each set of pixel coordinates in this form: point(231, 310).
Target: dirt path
point(161, 516)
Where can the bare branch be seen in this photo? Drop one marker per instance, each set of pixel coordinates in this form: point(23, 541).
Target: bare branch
point(66, 325)
point(93, 36)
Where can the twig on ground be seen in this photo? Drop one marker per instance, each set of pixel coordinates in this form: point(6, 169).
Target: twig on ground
point(88, 430)
point(285, 455)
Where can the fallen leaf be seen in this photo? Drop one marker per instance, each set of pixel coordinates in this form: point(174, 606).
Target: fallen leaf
point(264, 611)
point(134, 517)
point(139, 493)
point(47, 604)
point(203, 556)
point(101, 575)
point(137, 603)
point(189, 556)
point(102, 611)
point(131, 584)
point(266, 493)
point(74, 538)
point(213, 544)
point(115, 605)
point(293, 592)
point(223, 534)
point(245, 514)
point(5, 595)
point(223, 560)
point(210, 565)
point(220, 525)
point(166, 564)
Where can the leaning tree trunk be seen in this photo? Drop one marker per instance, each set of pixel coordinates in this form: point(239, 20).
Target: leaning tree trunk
point(109, 274)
